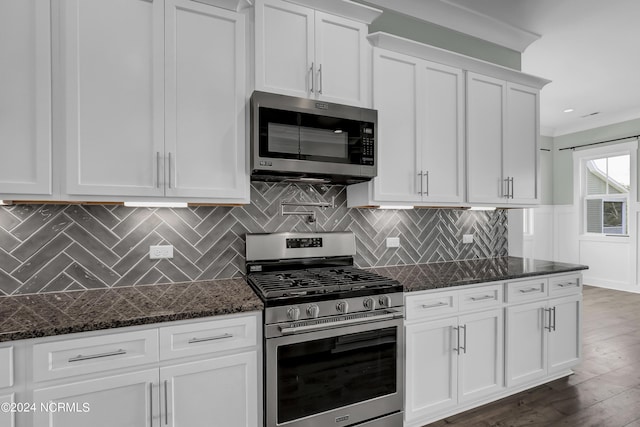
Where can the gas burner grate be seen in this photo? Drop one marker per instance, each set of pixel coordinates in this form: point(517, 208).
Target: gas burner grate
point(314, 281)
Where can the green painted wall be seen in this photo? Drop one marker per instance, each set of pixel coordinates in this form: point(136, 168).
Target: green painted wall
point(546, 170)
point(425, 32)
point(563, 160)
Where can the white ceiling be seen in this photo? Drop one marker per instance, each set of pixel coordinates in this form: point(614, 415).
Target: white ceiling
point(590, 49)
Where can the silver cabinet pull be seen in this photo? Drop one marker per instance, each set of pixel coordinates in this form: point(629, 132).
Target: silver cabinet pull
point(457, 348)
point(320, 78)
point(217, 337)
point(420, 175)
point(564, 285)
point(169, 169)
point(426, 174)
point(150, 404)
point(548, 310)
point(529, 290)
point(464, 341)
point(505, 192)
point(166, 404)
point(157, 169)
point(482, 298)
point(438, 304)
point(554, 319)
point(312, 73)
point(80, 357)
point(511, 180)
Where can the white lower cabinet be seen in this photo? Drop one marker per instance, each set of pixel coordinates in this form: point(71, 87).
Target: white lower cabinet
point(220, 387)
point(119, 400)
point(7, 419)
point(199, 394)
point(470, 346)
point(543, 338)
point(453, 360)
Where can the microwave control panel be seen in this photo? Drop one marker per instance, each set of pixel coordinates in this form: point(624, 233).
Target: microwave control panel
point(368, 146)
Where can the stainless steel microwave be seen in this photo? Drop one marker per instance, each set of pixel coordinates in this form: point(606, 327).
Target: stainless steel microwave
point(306, 140)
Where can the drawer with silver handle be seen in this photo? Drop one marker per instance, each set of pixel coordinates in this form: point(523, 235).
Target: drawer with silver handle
point(565, 285)
point(526, 290)
point(482, 297)
point(208, 337)
point(95, 353)
point(430, 305)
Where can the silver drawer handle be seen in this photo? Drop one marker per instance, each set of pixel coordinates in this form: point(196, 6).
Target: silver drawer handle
point(438, 304)
point(564, 285)
point(482, 298)
point(217, 337)
point(528, 291)
point(80, 357)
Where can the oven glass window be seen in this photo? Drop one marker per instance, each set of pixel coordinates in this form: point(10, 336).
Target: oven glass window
point(292, 135)
point(320, 375)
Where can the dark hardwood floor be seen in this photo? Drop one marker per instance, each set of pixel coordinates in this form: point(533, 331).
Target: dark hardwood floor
point(605, 389)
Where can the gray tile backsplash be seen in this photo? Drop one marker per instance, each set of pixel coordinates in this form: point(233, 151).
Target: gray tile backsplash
point(46, 248)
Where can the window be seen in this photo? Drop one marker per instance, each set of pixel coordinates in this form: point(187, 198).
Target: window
point(607, 182)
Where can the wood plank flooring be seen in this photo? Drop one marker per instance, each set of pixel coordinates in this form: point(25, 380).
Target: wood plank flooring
point(603, 392)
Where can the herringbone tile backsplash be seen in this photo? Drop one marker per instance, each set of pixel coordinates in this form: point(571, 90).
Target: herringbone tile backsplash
point(47, 248)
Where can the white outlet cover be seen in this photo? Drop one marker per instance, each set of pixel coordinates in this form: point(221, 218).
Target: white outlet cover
point(160, 251)
point(467, 238)
point(393, 242)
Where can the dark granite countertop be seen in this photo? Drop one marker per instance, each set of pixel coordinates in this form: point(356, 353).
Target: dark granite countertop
point(423, 277)
point(41, 315)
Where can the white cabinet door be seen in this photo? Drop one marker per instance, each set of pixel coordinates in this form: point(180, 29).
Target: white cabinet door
point(486, 99)
point(431, 367)
point(526, 341)
point(7, 418)
point(221, 391)
point(284, 48)
point(565, 336)
point(395, 88)
point(122, 400)
point(341, 52)
point(112, 56)
point(205, 98)
point(25, 100)
point(481, 357)
point(521, 148)
point(441, 132)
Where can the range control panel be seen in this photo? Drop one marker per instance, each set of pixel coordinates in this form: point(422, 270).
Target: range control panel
point(306, 242)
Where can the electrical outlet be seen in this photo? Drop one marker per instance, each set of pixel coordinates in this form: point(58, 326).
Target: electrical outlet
point(467, 238)
point(393, 242)
point(160, 251)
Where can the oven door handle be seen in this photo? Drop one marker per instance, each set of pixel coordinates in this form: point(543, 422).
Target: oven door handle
point(337, 323)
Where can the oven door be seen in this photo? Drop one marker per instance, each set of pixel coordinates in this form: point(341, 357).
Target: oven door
point(335, 377)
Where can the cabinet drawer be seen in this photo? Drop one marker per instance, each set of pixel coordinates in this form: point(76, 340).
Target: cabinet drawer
point(207, 337)
point(565, 285)
point(6, 367)
point(526, 290)
point(59, 359)
point(431, 305)
point(483, 297)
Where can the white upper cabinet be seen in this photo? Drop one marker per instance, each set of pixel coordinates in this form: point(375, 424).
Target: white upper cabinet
point(420, 133)
point(486, 99)
point(154, 100)
point(521, 147)
point(204, 101)
point(25, 100)
point(112, 56)
point(502, 142)
point(312, 54)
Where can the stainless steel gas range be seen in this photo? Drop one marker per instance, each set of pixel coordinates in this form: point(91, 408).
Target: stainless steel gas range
point(333, 333)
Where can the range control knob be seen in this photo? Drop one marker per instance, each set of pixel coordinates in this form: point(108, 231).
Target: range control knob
point(342, 307)
point(293, 313)
point(385, 301)
point(313, 310)
point(369, 303)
